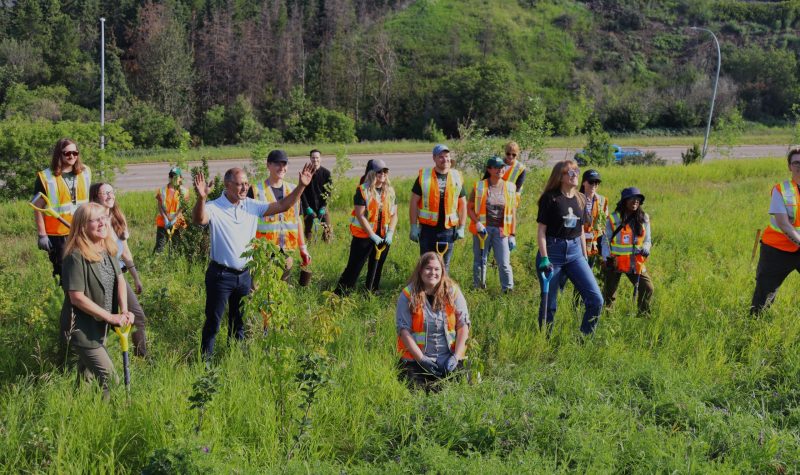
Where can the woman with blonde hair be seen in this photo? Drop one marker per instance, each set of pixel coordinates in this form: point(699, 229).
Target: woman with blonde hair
point(562, 249)
point(372, 225)
point(103, 194)
point(432, 323)
point(95, 293)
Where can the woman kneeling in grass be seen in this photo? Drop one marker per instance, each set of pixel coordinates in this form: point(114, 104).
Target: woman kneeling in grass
point(432, 324)
point(95, 292)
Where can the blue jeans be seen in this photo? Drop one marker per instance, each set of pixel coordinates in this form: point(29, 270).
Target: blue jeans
point(567, 258)
point(498, 243)
point(224, 286)
point(428, 237)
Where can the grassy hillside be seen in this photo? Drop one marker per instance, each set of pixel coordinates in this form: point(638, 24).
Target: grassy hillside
point(698, 387)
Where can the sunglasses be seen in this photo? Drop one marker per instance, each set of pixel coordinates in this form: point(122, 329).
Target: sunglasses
point(509, 154)
point(572, 173)
point(70, 153)
point(593, 182)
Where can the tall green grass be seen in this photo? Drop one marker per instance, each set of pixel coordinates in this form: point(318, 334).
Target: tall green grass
point(698, 387)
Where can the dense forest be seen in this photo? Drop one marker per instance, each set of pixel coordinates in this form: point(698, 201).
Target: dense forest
point(231, 71)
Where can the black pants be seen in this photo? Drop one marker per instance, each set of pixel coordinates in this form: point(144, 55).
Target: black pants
point(162, 239)
point(56, 253)
point(774, 266)
point(361, 250)
point(224, 286)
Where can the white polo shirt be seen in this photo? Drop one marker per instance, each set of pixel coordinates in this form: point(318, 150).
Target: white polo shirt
point(232, 227)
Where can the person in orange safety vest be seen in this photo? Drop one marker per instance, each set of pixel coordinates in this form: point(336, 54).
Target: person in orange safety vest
point(170, 218)
point(372, 224)
point(432, 324)
point(626, 247)
point(66, 185)
point(780, 243)
point(285, 230)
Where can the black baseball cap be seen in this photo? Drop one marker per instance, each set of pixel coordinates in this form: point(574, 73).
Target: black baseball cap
point(591, 175)
point(277, 156)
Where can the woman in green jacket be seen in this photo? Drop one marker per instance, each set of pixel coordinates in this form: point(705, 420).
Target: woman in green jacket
point(95, 294)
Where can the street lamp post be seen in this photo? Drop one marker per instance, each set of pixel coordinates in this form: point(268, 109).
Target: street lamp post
point(714, 94)
point(102, 83)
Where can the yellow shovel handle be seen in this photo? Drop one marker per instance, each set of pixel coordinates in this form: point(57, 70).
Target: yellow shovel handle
point(481, 239)
point(379, 251)
point(48, 208)
point(124, 333)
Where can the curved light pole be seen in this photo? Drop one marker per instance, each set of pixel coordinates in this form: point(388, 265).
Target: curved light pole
point(716, 81)
point(102, 83)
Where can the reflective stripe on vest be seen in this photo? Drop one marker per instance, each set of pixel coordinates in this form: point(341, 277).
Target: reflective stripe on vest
point(374, 208)
point(623, 246)
point(481, 192)
point(429, 204)
point(773, 235)
point(282, 228)
point(170, 198)
point(59, 195)
point(590, 233)
point(513, 172)
point(418, 327)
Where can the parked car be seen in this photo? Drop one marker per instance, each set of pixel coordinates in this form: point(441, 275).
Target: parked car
point(620, 154)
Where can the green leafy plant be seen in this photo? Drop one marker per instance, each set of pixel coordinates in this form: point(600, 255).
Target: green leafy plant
point(692, 154)
point(473, 147)
point(598, 146)
point(532, 132)
point(203, 391)
point(728, 133)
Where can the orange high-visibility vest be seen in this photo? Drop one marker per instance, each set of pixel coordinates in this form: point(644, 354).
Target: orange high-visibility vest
point(481, 193)
point(429, 204)
point(376, 207)
point(281, 228)
point(590, 234)
point(512, 172)
point(171, 201)
point(61, 200)
point(773, 236)
point(418, 327)
point(624, 245)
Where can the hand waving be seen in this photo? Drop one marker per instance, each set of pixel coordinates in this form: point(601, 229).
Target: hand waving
point(201, 186)
point(306, 174)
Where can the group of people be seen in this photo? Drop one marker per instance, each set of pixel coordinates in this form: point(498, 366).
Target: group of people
point(85, 233)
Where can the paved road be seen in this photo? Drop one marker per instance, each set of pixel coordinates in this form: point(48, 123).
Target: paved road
point(149, 176)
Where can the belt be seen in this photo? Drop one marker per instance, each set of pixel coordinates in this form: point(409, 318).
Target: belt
point(232, 270)
point(558, 239)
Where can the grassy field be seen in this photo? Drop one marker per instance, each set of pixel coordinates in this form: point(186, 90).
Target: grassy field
point(762, 136)
point(699, 387)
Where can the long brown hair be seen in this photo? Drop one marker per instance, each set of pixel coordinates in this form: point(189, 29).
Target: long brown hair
point(554, 182)
point(443, 293)
point(79, 239)
point(55, 161)
point(118, 221)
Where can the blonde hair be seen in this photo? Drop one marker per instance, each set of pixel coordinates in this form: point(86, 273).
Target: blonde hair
point(554, 182)
point(512, 147)
point(443, 293)
point(118, 221)
point(78, 234)
point(372, 191)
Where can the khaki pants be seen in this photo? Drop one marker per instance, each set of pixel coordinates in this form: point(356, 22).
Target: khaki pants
point(645, 293)
point(95, 363)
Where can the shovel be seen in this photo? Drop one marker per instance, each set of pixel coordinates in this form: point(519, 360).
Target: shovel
point(545, 295)
point(378, 253)
point(48, 208)
point(124, 333)
point(482, 242)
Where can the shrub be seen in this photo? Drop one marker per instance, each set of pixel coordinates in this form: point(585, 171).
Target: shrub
point(649, 158)
point(432, 133)
point(212, 127)
point(321, 125)
point(532, 131)
point(692, 154)
point(242, 126)
point(598, 146)
point(472, 148)
point(44, 102)
point(150, 128)
point(26, 147)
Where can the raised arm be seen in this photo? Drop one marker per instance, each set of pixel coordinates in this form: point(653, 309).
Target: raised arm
point(199, 212)
point(288, 201)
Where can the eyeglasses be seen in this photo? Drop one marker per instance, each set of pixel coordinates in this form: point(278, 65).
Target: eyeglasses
point(509, 154)
point(572, 173)
point(382, 172)
point(796, 163)
point(241, 185)
point(70, 153)
point(106, 193)
point(98, 220)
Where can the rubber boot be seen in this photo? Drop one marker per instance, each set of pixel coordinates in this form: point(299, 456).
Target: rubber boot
point(305, 277)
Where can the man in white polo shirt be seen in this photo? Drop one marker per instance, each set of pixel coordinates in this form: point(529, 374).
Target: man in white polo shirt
point(233, 219)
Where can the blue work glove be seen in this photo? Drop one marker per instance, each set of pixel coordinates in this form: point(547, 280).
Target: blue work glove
point(460, 233)
point(451, 364)
point(388, 238)
point(480, 228)
point(376, 239)
point(44, 243)
point(322, 211)
point(512, 243)
point(310, 212)
point(414, 233)
point(644, 252)
point(545, 265)
point(430, 366)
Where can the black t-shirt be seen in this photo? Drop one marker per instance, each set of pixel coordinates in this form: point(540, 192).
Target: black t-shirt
point(564, 217)
point(315, 196)
point(359, 200)
point(441, 180)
